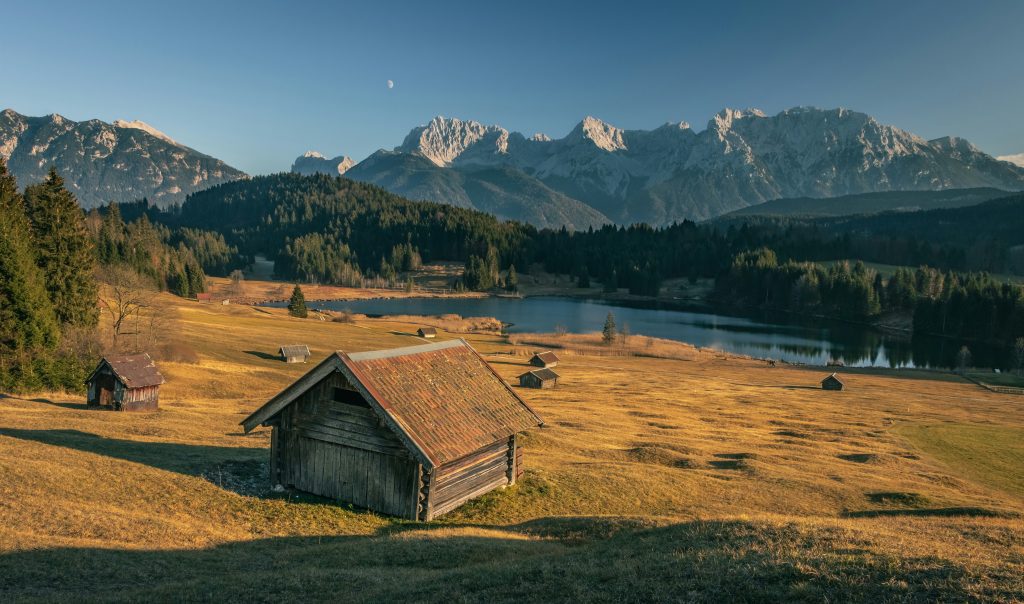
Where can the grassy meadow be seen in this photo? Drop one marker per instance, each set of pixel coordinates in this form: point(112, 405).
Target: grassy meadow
point(699, 477)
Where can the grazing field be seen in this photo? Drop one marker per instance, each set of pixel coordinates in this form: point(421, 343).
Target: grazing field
point(700, 477)
point(985, 454)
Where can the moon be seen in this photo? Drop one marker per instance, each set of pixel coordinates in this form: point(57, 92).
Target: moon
point(391, 84)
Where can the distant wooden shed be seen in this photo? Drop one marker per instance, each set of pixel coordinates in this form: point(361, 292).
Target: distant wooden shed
point(544, 359)
point(427, 332)
point(294, 353)
point(539, 378)
point(204, 297)
point(127, 382)
point(832, 382)
point(412, 432)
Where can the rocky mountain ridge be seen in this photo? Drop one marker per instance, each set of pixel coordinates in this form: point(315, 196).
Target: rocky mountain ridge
point(670, 173)
point(102, 162)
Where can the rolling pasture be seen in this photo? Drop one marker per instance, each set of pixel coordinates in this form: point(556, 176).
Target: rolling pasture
point(702, 477)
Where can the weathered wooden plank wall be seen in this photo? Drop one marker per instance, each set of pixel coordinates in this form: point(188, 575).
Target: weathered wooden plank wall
point(471, 476)
point(342, 451)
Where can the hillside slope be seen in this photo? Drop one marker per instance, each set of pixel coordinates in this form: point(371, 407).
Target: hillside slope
point(701, 479)
point(870, 203)
point(507, 193)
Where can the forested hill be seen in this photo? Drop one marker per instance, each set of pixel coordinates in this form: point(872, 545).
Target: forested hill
point(324, 222)
point(868, 203)
point(999, 220)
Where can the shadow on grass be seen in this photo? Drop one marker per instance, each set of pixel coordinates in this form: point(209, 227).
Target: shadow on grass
point(50, 402)
point(266, 356)
point(939, 512)
point(193, 460)
point(576, 559)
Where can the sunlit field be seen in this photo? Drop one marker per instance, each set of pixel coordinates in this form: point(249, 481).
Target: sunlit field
point(699, 477)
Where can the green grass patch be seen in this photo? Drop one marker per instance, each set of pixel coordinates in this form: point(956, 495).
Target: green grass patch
point(989, 455)
point(998, 379)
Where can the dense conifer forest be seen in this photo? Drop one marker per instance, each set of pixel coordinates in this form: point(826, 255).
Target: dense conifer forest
point(333, 230)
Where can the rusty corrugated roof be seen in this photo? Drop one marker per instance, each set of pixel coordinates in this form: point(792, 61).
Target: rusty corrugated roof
point(134, 370)
point(443, 396)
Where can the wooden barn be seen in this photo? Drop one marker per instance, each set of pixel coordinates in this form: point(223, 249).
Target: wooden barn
point(128, 382)
point(294, 353)
point(832, 382)
point(544, 359)
point(412, 432)
point(426, 332)
point(539, 378)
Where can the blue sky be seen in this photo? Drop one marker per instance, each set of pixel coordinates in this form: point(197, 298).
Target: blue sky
point(258, 83)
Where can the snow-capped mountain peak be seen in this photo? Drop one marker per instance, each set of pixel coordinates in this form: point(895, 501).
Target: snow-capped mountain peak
point(445, 139)
point(141, 125)
point(725, 118)
point(314, 162)
point(103, 162)
point(601, 134)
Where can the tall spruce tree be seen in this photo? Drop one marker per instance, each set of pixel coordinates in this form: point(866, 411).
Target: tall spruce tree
point(64, 250)
point(297, 304)
point(609, 332)
point(27, 320)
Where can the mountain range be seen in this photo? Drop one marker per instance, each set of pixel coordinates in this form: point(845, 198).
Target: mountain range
point(594, 175)
point(599, 172)
point(102, 162)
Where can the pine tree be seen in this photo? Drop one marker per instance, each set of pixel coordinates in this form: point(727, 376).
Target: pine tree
point(583, 280)
point(1018, 355)
point(512, 280)
point(297, 304)
point(608, 333)
point(27, 320)
point(64, 250)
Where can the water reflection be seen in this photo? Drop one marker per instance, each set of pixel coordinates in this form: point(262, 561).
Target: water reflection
point(762, 335)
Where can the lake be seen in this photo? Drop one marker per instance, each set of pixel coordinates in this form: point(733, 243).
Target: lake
point(759, 335)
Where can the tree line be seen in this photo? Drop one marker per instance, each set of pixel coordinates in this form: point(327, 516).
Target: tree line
point(965, 306)
point(54, 259)
point(333, 230)
point(48, 295)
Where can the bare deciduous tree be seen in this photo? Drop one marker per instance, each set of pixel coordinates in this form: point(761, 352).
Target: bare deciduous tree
point(237, 286)
point(129, 292)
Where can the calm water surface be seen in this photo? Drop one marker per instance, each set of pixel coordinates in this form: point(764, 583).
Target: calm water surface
point(764, 336)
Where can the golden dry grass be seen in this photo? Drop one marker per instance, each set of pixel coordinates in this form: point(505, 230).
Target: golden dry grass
point(699, 478)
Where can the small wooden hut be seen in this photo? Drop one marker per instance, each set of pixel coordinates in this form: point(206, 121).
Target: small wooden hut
point(544, 359)
point(294, 353)
point(832, 382)
point(427, 332)
point(412, 432)
point(127, 382)
point(204, 297)
point(539, 378)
